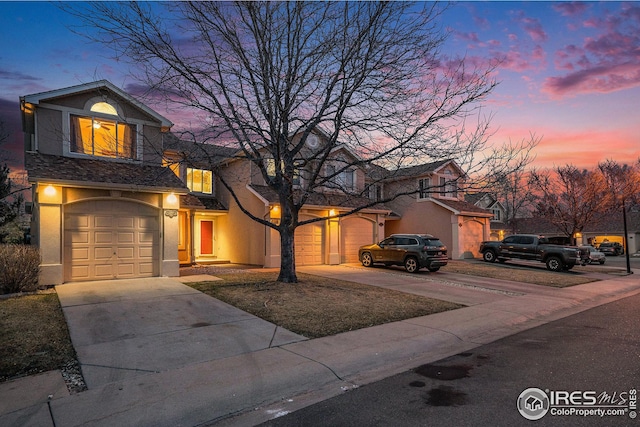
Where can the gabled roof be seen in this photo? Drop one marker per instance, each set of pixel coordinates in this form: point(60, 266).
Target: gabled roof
point(198, 154)
point(36, 98)
point(327, 199)
point(416, 171)
point(459, 207)
point(101, 173)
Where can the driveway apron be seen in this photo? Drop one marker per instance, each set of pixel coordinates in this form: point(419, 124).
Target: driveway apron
point(126, 328)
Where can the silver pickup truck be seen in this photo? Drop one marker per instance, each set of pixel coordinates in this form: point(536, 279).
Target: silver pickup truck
point(534, 248)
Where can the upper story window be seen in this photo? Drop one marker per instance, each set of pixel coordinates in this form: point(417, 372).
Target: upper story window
point(424, 184)
point(96, 136)
point(345, 179)
point(375, 192)
point(497, 214)
point(448, 186)
point(200, 180)
point(271, 169)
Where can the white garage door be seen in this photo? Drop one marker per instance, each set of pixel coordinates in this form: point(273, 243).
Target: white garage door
point(473, 235)
point(354, 232)
point(106, 239)
point(309, 244)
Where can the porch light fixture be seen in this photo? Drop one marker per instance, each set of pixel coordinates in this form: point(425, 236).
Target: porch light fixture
point(275, 211)
point(50, 190)
point(171, 198)
point(332, 212)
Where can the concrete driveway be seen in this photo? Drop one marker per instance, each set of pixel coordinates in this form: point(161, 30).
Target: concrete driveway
point(126, 328)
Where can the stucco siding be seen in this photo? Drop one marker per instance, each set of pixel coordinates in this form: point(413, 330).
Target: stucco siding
point(49, 128)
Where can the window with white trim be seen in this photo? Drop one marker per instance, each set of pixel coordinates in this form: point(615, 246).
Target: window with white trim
point(200, 180)
point(424, 186)
point(97, 136)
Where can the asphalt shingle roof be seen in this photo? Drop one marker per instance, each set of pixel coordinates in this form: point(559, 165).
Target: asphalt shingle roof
point(321, 199)
point(46, 167)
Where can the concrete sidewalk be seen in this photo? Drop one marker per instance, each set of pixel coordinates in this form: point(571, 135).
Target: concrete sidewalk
point(155, 352)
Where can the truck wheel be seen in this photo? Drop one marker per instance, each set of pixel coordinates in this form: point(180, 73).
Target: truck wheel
point(367, 261)
point(489, 256)
point(411, 264)
point(554, 264)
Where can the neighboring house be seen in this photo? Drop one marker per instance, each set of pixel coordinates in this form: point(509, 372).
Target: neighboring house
point(116, 195)
point(488, 201)
point(438, 208)
point(608, 229)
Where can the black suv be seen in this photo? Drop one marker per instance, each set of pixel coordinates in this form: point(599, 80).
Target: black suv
point(413, 251)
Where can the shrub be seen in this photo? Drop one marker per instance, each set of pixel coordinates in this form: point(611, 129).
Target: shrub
point(19, 267)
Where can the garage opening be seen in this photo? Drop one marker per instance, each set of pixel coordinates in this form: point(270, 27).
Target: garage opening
point(354, 232)
point(110, 239)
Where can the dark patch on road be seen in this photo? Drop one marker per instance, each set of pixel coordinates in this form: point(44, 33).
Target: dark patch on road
point(417, 384)
point(446, 373)
point(465, 354)
point(446, 396)
point(200, 324)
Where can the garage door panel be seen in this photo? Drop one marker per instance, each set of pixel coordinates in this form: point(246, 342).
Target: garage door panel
point(145, 269)
point(101, 237)
point(80, 254)
point(126, 253)
point(103, 221)
point(148, 223)
point(80, 272)
point(111, 239)
point(78, 236)
point(126, 269)
point(102, 253)
point(125, 237)
point(145, 252)
point(77, 221)
point(146, 238)
point(104, 271)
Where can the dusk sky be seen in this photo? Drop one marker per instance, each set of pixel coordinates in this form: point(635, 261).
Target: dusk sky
point(570, 72)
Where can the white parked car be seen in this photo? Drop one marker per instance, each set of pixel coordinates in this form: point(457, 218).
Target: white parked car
point(595, 256)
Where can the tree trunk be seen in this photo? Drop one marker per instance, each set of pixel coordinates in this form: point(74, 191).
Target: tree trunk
point(287, 255)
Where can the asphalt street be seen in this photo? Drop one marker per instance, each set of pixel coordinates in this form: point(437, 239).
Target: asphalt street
point(585, 364)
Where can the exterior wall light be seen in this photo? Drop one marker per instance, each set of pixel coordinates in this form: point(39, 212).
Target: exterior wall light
point(275, 212)
point(172, 199)
point(49, 191)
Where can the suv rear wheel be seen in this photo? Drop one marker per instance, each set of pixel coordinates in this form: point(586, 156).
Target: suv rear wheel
point(489, 256)
point(411, 264)
point(367, 261)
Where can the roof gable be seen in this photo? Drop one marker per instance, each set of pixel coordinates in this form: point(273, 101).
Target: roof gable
point(37, 98)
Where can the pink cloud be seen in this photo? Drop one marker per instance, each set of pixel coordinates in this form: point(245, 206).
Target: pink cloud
point(606, 62)
point(571, 8)
point(532, 27)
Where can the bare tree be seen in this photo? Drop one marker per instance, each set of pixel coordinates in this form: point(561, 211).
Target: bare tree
point(11, 198)
point(622, 183)
point(369, 75)
point(568, 197)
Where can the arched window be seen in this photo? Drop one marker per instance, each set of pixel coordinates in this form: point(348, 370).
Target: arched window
point(104, 108)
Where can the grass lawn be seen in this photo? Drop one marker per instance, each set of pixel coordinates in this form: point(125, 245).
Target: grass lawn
point(519, 273)
point(33, 336)
point(316, 306)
